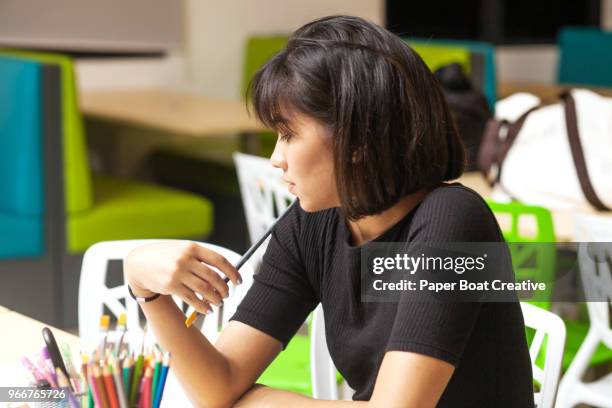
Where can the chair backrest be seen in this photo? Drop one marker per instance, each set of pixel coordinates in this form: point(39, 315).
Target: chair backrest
point(546, 324)
point(585, 56)
point(94, 294)
point(258, 50)
point(533, 256)
point(264, 194)
point(21, 138)
point(438, 55)
point(23, 164)
point(322, 368)
point(595, 260)
point(550, 327)
point(77, 175)
point(483, 51)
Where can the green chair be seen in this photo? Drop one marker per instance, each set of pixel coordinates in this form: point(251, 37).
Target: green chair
point(258, 51)
point(529, 260)
point(102, 208)
point(482, 63)
point(543, 269)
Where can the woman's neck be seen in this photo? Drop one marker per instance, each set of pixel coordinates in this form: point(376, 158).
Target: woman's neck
point(370, 227)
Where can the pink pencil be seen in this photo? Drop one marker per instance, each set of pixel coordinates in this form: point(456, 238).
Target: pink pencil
point(94, 388)
point(36, 373)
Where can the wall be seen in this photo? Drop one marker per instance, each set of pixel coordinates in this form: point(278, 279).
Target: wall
point(217, 32)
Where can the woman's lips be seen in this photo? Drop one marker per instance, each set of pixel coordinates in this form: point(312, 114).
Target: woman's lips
point(291, 188)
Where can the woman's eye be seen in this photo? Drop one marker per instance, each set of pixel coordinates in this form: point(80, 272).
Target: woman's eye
point(285, 136)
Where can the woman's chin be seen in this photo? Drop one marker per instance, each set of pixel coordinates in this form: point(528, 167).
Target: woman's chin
point(310, 206)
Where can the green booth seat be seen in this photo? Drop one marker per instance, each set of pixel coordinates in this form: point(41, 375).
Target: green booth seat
point(108, 208)
point(131, 210)
point(539, 262)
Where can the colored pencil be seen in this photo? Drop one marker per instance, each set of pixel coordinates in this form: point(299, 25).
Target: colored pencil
point(104, 325)
point(156, 373)
point(63, 382)
point(117, 373)
point(109, 384)
point(102, 394)
point(162, 381)
point(35, 371)
point(121, 329)
point(94, 388)
point(146, 388)
point(46, 370)
point(127, 374)
point(136, 379)
point(73, 376)
point(189, 321)
point(85, 372)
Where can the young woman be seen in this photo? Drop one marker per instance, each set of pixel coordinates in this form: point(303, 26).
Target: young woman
point(366, 143)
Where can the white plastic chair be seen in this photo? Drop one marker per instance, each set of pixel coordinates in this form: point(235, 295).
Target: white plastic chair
point(94, 293)
point(550, 326)
point(322, 368)
point(264, 196)
point(596, 274)
point(545, 323)
point(264, 193)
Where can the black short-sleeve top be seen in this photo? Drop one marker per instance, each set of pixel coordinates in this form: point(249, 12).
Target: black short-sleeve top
point(310, 259)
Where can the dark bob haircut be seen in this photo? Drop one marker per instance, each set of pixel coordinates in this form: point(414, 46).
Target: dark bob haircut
point(392, 131)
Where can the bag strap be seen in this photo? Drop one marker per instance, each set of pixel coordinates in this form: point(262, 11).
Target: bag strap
point(493, 150)
point(513, 130)
point(577, 152)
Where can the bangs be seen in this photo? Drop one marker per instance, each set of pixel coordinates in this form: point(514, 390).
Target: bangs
point(275, 95)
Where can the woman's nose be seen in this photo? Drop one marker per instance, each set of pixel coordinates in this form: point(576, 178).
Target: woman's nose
point(278, 158)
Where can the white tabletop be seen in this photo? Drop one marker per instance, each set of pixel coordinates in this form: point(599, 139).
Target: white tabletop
point(563, 221)
point(22, 336)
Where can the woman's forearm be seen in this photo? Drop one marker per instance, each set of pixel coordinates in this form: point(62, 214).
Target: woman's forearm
point(203, 372)
point(265, 397)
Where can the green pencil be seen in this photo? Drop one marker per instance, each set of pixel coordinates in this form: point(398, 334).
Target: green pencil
point(155, 376)
point(136, 380)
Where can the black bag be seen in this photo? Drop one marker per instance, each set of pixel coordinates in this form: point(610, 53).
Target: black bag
point(468, 106)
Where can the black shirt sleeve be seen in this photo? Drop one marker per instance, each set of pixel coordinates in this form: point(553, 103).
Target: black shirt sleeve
point(442, 329)
point(281, 296)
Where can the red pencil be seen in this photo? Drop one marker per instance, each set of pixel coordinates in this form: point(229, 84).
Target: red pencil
point(145, 396)
point(102, 392)
point(109, 383)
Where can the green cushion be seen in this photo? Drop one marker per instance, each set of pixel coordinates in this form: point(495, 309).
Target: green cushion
point(77, 177)
point(133, 210)
point(290, 370)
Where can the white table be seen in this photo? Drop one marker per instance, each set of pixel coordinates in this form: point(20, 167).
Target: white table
point(22, 336)
point(563, 221)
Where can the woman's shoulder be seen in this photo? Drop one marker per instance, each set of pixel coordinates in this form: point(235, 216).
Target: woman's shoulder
point(456, 196)
point(455, 212)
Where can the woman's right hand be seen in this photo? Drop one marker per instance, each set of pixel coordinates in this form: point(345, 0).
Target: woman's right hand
point(181, 268)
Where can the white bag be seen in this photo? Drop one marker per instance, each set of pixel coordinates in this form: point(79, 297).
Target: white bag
point(538, 163)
